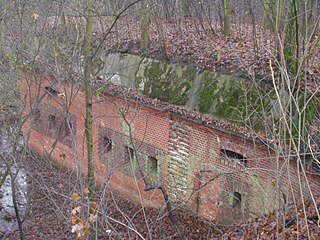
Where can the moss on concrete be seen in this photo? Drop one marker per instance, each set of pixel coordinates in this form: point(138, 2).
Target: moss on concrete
point(225, 96)
point(264, 197)
point(207, 92)
point(306, 114)
point(168, 83)
point(235, 99)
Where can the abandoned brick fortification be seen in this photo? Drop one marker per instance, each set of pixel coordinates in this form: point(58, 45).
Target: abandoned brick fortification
point(213, 168)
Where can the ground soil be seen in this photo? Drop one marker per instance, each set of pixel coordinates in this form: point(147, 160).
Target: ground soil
point(50, 197)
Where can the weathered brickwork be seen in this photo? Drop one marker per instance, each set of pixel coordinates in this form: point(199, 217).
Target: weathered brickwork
point(179, 166)
point(212, 171)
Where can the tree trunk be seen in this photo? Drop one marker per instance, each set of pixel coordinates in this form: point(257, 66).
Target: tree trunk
point(254, 30)
point(87, 52)
point(226, 17)
point(273, 14)
point(309, 18)
point(291, 43)
point(2, 11)
point(185, 5)
point(145, 27)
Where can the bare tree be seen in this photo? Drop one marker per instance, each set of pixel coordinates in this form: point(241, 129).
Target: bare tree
point(226, 16)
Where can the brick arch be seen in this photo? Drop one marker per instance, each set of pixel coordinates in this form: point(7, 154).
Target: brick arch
point(234, 148)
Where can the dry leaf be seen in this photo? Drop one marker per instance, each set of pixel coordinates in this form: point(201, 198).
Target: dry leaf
point(34, 16)
point(75, 211)
point(86, 192)
point(92, 218)
point(63, 156)
point(76, 228)
point(75, 197)
point(62, 95)
point(93, 206)
point(76, 220)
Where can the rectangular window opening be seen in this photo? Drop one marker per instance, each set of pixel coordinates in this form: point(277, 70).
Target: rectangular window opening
point(106, 145)
point(52, 121)
point(36, 114)
point(152, 168)
point(129, 160)
point(68, 128)
point(128, 154)
point(237, 198)
point(233, 157)
point(51, 91)
point(153, 165)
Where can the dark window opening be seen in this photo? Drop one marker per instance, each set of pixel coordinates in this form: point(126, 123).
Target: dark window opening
point(233, 156)
point(128, 154)
point(152, 167)
point(68, 128)
point(51, 91)
point(106, 145)
point(129, 160)
point(36, 115)
point(52, 121)
point(236, 203)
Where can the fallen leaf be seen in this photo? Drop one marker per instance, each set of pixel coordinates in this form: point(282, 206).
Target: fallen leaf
point(75, 197)
point(93, 206)
point(76, 228)
point(75, 211)
point(34, 16)
point(92, 218)
point(86, 192)
point(62, 95)
point(63, 156)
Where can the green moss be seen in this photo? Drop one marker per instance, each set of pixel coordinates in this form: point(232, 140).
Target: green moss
point(100, 91)
point(98, 64)
point(167, 84)
point(138, 80)
point(208, 88)
point(310, 110)
point(306, 116)
point(224, 97)
point(230, 102)
point(234, 99)
point(263, 197)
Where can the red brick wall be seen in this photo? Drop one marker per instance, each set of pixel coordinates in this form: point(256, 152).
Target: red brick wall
point(190, 164)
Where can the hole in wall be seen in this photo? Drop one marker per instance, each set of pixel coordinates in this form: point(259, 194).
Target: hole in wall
point(106, 145)
point(153, 164)
point(233, 156)
point(128, 154)
point(68, 128)
point(237, 198)
point(52, 121)
point(51, 91)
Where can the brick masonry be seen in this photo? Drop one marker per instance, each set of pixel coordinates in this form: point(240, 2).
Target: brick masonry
point(213, 172)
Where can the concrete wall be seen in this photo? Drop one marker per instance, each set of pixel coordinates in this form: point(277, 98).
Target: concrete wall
point(219, 174)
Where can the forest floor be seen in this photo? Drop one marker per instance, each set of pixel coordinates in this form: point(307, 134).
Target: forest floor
point(50, 194)
point(246, 51)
